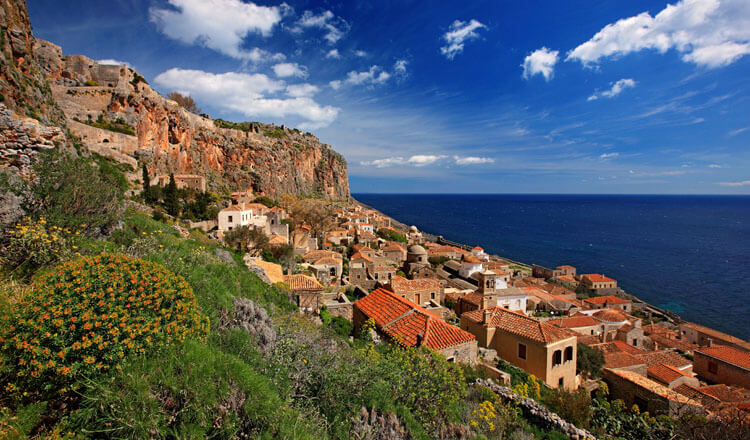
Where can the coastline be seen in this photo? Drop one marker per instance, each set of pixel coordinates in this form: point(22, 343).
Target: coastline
point(660, 312)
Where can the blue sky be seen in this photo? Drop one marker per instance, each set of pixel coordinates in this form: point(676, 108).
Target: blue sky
point(469, 97)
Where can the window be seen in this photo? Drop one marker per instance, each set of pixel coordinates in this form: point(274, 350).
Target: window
point(561, 382)
point(229, 219)
point(713, 367)
point(522, 351)
point(635, 342)
point(557, 358)
point(568, 354)
point(432, 295)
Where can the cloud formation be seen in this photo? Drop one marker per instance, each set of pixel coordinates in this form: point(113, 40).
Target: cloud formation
point(617, 88)
point(335, 27)
point(112, 62)
point(220, 25)
point(709, 33)
point(333, 54)
point(400, 66)
point(542, 62)
point(742, 183)
point(253, 95)
point(606, 156)
point(420, 160)
point(285, 70)
point(458, 34)
point(375, 75)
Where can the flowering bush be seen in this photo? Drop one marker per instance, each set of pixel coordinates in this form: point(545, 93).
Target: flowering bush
point(87, 315)
point(34, 243)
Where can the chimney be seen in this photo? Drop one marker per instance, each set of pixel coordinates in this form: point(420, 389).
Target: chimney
point(486, 316)
point(419, 339)
point(710, 342)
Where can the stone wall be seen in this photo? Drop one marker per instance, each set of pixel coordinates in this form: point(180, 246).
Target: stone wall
point(22, 139)
point(536, 413)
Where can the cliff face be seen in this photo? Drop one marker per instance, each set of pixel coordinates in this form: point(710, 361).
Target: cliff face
point(92, 100)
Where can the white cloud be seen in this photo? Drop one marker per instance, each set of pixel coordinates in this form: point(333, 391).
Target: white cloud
point(284, 70)
point(334, 27)
point(714, 165)
point(709, 33)
point(617, 88)
point(360, 53)
point(335, 84)
point(541, 61)
point(333, 54)
point(375, 75)
point(459, 33)
point(111, 62)
point(742, 183)
point(606, 156)
point(400, 66)
point(301, 90)
point(221, 25)
point(472, 160)
point(253, 95)
point(738, 131)
point(418, 160)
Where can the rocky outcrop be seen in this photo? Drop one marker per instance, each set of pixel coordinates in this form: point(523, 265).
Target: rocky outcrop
point(537, 413)
point(266, 158)
point(115, 113)
point(22, 139)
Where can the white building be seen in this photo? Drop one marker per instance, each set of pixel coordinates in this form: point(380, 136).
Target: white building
point(470, 265)
point(511, 298)
point(480, 254)
point(239, 215)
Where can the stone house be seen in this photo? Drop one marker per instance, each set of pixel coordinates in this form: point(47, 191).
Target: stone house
point(723, 364)
point(312, 256)
point(328, 269)
point(608, 302)
point(666, 357)
point(599, 283)
point(394, 253)
point(635, 389)
point(307, 290)
point(547, 273)
point(407, 324)
point(705, 336)
point(382, 273)
point(418, 291)
point(546, 351)
point(182, 181)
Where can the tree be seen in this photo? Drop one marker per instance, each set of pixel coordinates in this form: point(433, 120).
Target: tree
point(148, 193)
point(186, 102)
point(589, 361)
point(244, 238)
point(171, 197)
point(317, 213)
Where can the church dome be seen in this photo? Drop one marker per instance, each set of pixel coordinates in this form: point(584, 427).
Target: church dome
point(416, 249)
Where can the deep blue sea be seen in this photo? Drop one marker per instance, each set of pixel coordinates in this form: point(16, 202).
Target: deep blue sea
point(688, 254)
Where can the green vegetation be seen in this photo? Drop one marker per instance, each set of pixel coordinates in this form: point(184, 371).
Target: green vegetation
point(92, 83)
point(137, 79)
point(243, 126)
point(275, 132)
point(119, 125)
point(589, 361)
point(437, 261)
point(391, 235)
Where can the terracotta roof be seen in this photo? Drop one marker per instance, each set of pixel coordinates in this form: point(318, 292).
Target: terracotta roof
point(574, 321)
point(590, 340)
point(474, 298)
point(695, 394)
point(597, 278)
point(477, 248)
point(360, 256)
point(329, 261)
point(302, 282)
point(392, 247)
point(664, 340)
point(568, 278)
point(520, 325)
point(565, 266)
point(471, 260)
point(625, 347)
point(610, 315)
point(652, 386)
point(315, 255)
point(402, 321)
point(401, 284)
point(609, 299)
point(619, 359)
point(717, 334)
point(725, 393)
point(236, 208)
point(665, 374)
point(652, 358)
point(383, 268)
point(727, 354)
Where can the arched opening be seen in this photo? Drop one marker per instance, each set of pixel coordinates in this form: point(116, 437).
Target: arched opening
point(568, 354)
point(557, 358)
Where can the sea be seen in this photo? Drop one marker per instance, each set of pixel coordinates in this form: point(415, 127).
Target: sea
point(687, 254)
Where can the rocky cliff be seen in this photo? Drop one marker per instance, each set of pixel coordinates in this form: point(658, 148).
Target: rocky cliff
point(114, 112)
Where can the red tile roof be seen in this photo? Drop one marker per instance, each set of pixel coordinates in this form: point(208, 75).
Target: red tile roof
point(610, 315)
point(715, 334)
point(474, 298)
point(665, 374)
point(403, 321)
point(597, 278)
point(565, 266)
point(471, 260)
point(609, 299)
point(652, 358)
point(360, 256)
point(625, 347)
point(574, 321)
point(519, 324)
point(401, 284)
point(652, 386)
point(727, 354)
point(477, 248)
point(302, 282)
point(619, 359)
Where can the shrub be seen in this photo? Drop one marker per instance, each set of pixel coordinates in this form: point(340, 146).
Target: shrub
point(573, 406)
point(85, 316)
point(33, 244)
point(391, 235)
point(91, 83)
point(342, 326)
point(590, 361)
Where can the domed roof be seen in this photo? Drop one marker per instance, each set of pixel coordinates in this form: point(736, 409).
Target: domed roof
point(417, 250)
point(413, 228)
point(610, 315)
